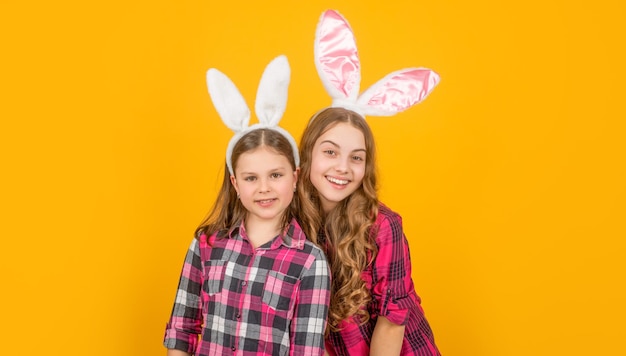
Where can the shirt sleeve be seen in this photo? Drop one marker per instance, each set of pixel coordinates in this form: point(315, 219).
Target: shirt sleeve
point(185, 324)
point(392, 281)
point(312, 300)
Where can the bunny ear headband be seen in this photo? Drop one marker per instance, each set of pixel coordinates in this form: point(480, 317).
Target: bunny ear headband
point(271, 101)
point(339, 68)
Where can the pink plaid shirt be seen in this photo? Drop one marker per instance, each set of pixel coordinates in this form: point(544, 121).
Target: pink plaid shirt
point(233, 299)
point(393, 296)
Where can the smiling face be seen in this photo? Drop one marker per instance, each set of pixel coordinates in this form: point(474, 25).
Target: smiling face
point(265, 182)
point(338, 163)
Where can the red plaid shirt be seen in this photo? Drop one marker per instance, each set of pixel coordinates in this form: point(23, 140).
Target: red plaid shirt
point(393, 296)
point(233, 299)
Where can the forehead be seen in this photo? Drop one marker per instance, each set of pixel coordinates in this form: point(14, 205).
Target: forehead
point(261, 159)
point(344, 135)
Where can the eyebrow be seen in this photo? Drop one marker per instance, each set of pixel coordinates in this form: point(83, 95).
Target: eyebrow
point(336, 145)
point(274, 170)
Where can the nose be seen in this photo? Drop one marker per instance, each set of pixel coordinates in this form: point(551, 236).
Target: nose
point(264, 185)
point(341, 165)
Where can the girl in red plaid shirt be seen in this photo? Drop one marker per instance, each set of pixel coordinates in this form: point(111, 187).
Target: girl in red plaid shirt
point(374, 309)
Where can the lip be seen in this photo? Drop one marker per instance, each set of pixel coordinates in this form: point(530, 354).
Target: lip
point(265, 202)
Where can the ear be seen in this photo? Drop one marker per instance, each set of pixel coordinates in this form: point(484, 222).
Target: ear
point(233, 181)
point(336, 57)
point(271, 97)
point(398, 91)
point(227, 100)
point(339, 68)
point(296, 173)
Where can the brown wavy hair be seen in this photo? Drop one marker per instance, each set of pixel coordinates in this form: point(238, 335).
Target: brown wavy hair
point(348, 243)
point(228, 211)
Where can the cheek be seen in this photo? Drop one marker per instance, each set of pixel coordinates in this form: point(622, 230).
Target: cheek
point(317, 164)
point(359, 174)
point(316, 170)
point(315, 178)
point(243, 191)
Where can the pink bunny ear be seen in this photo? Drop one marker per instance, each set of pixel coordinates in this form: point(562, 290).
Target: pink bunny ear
point(398, 91)
point(336, 57)
point(339, 68)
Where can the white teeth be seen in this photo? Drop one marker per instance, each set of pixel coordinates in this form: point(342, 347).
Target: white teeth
point(337, 181)
point(265, 201)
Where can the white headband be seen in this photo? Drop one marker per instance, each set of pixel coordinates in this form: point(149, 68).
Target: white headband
point(339, 68)
point(271, 101)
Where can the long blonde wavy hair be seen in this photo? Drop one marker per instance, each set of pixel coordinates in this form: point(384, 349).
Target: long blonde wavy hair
point(348, 240)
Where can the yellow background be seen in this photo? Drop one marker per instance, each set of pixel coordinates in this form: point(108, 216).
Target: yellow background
point(509, 177)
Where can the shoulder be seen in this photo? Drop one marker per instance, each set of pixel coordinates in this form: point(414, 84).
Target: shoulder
point(387, 230)
point(386, 216)
point(203, 242)
point(302, 246)
point(314, 250)
point(300, 241)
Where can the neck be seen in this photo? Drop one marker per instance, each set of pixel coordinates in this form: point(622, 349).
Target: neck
point(262, 231)
point(327, 207)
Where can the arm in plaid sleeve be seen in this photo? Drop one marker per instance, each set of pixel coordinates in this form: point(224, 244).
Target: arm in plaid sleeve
point(312, 300)
point(185, 324)
point(392, 270)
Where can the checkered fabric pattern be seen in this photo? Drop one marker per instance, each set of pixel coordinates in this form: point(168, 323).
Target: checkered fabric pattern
point(393, 296)
point(233, 299)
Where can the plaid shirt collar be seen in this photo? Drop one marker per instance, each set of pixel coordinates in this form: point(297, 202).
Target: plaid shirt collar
point(291, 237)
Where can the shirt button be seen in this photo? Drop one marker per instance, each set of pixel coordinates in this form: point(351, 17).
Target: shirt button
point(233, 348)
point(243, 283)
point(238, 315)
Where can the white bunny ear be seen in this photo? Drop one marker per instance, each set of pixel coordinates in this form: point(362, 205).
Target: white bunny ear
point(271, 97)
point(270, 104)
point(228, 101)
point(336, 57)
point(398, 91)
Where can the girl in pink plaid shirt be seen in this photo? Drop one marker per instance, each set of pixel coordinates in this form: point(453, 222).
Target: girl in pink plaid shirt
point(374, 308)
point(251, 283)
